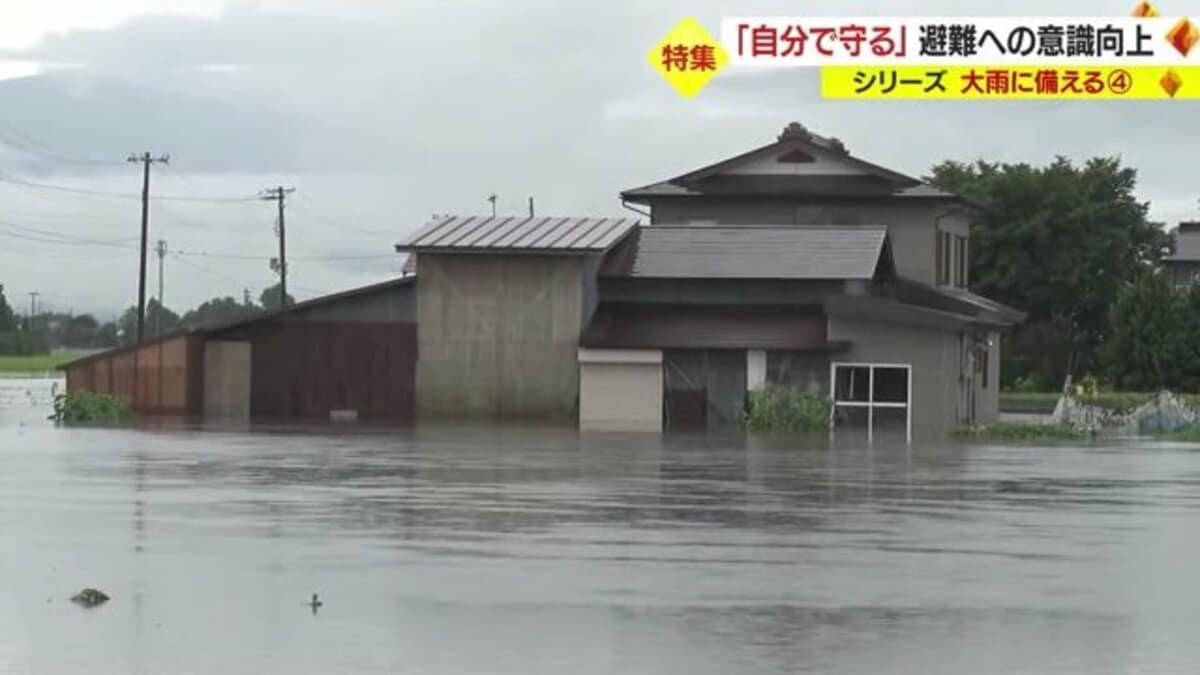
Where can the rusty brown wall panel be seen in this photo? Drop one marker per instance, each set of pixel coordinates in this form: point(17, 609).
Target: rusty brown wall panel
point(124, 376)
point(146, 392)
point(102, 376)
point(80, 378)
point(307, 369)
point(172, 375)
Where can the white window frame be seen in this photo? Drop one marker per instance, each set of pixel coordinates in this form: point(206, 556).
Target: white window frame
point(870, 404)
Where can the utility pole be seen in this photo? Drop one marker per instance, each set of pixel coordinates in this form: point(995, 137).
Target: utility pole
point(161, 250)
point(146, 160)
point(278, 195)
point(492, 199)
point(33, 296)
point(531, 207)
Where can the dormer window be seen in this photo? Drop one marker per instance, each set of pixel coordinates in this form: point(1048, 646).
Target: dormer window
point(796, 157)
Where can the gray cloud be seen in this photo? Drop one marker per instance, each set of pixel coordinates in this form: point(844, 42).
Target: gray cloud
point(383, 112)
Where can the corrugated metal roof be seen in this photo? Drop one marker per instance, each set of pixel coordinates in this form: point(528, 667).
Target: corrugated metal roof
point(544, 235)
point(791, 252)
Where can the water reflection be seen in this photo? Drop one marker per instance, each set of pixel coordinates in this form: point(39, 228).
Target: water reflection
point(472, 550)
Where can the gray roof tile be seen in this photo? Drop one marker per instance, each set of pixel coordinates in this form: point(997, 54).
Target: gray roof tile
point(790, 252)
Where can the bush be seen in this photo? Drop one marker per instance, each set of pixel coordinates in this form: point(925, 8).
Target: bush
point(84, 406)
point(787, 409)
point(1010, 432)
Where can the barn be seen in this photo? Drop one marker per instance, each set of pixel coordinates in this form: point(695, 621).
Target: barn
point(346, 355)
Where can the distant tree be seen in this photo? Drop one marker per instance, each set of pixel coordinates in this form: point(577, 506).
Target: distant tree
point(270, 298)
point(1152, 343)
point(159, 321)
point(106, 335)
point(1059, 242)
point(79, 332)
point(217, 310)
point(8, 320)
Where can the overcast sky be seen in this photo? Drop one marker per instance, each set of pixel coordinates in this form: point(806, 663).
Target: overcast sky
point(382, 112)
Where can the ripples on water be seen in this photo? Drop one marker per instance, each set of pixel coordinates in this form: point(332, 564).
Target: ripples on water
point(484, 550)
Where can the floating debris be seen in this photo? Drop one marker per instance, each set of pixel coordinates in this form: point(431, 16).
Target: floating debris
point(90, 597)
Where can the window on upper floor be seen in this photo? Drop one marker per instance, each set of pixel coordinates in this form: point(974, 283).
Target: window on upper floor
point(950, 253)
point(960, 261)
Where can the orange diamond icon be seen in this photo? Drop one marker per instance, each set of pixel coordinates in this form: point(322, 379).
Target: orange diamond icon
point(1170, 82)
point(1144, 10)
point(1183, 36)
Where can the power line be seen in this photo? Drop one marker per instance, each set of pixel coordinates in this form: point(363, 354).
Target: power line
point(122, 195)
point(17, 141)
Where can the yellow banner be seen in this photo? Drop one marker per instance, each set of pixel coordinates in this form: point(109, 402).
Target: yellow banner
point(1010, 82)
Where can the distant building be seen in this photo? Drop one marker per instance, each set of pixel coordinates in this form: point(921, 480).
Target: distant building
point(794, 264)
point(1184, 264)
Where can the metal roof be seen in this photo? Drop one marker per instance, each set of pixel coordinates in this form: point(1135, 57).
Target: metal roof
point(523, 234)
point(789, 252)
point(224, 324)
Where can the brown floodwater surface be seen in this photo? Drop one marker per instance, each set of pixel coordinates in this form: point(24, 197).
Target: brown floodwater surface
point(479, 550)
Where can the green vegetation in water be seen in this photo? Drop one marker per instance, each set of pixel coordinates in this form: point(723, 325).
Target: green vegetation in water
point(1119, 401)
point(1015, 432)
point(1185, 435)
point(90, 597)
point(37, 364)
point(83, 406)
point(787, 409)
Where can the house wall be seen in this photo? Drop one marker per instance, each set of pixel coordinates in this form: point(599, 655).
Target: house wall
point(935, 357)
point(911, 223)
point(498, 336)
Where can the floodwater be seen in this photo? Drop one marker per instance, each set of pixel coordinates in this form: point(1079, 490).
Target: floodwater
point(493, 551)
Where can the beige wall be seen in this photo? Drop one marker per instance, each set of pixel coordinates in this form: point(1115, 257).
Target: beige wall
point(227, 380)
point(620, 390)
point(498, 335)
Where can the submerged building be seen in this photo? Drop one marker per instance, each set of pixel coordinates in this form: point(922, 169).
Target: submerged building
point(794, 264)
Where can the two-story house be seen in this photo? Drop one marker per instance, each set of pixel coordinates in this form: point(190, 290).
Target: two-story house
point(1184, 263)
point(794, 264)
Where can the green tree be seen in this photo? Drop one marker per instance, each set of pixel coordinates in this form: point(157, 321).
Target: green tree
point(270, 298)
point(1059, 242)
point(159, 321)
point(8, 320)
point(1148, 343)
point(80, 331)
point(218, 310)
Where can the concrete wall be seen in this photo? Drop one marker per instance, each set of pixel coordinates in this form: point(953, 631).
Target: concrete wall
point(935, 357)
point(620, 390)
point(497, 336)
point(911, 223)
point(227, 380)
